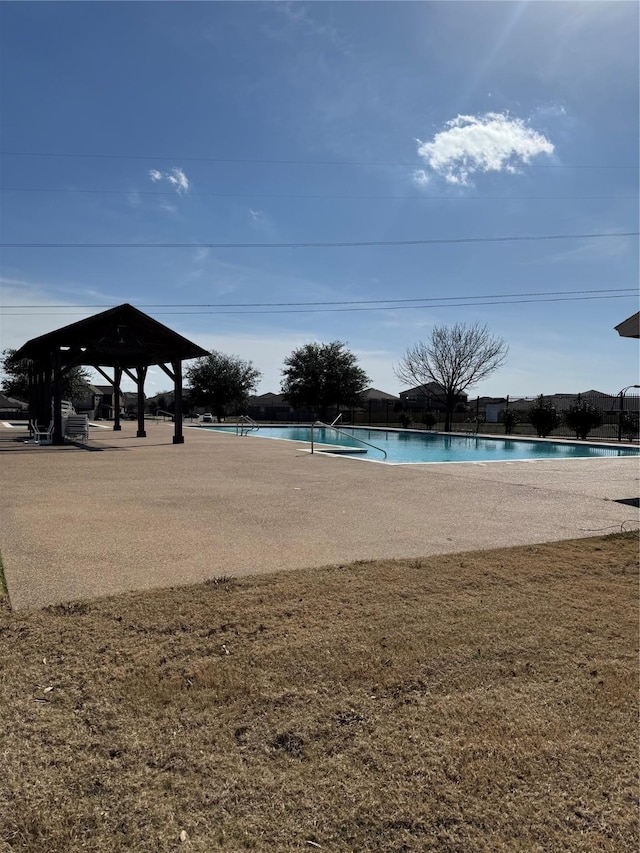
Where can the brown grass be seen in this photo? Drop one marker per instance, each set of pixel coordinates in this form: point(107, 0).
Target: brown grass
point(475, 702)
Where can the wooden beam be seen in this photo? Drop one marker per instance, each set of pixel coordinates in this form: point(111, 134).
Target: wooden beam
point(141, 372)
point(102, 373)
point(178, 437)
point(117, 378)
point(170, 374)
point(58, 434)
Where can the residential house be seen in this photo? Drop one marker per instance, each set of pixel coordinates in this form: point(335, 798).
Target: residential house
point(271, 407)
point(104, 403)
point(429, 397)
point(12, 408)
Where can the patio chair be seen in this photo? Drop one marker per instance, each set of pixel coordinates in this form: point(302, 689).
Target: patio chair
point(40, 435)
point(77, 427)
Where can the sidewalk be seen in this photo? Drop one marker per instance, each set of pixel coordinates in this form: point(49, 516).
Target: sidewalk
point(134, 513)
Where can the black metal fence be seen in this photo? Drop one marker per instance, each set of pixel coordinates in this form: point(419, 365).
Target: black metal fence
point(613, 417)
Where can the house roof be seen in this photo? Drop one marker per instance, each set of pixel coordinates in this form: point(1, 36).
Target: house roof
point(269, 397)
point(629, 328)
point(11, 403)
point(120, 337)
point(433, 387)
point(374, 394)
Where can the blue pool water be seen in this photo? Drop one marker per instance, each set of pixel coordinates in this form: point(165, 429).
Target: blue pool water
point(413, 447)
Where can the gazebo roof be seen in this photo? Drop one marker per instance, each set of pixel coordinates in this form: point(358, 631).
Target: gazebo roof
point(120, 337)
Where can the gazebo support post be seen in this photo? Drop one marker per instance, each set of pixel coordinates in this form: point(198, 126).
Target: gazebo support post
point(141, 374)
point(111, 382)
point(58, 437)
point(117, 378)
point(178, 437)
point(44, 413)
point(176, 375)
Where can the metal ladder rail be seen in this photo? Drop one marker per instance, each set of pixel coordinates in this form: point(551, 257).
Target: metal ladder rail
point(346, 434)
point(245, 425)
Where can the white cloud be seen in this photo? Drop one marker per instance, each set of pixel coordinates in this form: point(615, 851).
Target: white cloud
point(176, 177)
point(493, 142)
point(421, 178)
point(255, 214)
point(552, 110)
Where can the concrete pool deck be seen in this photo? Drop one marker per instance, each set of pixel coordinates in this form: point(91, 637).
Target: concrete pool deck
point(131, 514)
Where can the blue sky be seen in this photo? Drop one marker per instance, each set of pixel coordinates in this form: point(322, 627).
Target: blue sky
point(296, 123)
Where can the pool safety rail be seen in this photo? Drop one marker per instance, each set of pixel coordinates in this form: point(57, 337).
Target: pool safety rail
point(245, 425)
point(333, 426)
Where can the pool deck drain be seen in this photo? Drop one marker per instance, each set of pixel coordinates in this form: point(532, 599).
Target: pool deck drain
point(144, 513)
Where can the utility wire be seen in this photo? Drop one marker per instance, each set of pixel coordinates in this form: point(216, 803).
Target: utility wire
point(269, 161)
point(315, 245)
point(414, 196)
point(348, 301)
point(344, 310)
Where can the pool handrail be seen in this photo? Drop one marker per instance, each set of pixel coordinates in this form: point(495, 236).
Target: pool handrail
point(345, 434)
point(245, 425)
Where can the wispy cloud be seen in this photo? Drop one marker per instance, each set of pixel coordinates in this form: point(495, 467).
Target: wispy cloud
point(298, 16)
point(554, 110)
point(176, 177)
point(493, 142)
point(255, 214)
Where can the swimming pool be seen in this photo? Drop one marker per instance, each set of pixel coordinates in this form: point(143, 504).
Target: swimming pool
point(411, 448)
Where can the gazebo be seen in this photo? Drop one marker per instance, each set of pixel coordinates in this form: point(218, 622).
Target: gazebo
point(123, 339)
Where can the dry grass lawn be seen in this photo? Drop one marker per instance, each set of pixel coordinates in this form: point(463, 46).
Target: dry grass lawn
point(473, 702)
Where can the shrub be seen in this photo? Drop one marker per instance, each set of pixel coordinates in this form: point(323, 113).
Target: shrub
point(509, 418)
point(543, 416)
point(429, 419)
point(582, 417)
point(629, 425)
point(405, 420)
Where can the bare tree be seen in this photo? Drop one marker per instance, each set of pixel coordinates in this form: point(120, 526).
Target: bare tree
point(455, 357)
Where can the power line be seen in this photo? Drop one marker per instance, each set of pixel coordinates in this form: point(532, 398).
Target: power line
point(349, 301)
point(316, 245)
point(346, 196)
point(401, 307)
point(360, 308)
point(271, 161)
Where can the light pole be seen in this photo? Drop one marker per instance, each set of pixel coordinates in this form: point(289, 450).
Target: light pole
point(621, 395)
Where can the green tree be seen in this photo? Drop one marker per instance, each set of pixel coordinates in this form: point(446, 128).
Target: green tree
point(582, 417)
point(16, 378)
point(543, 416)
point(222, 382)
point(455, 357)
point(317, 376)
